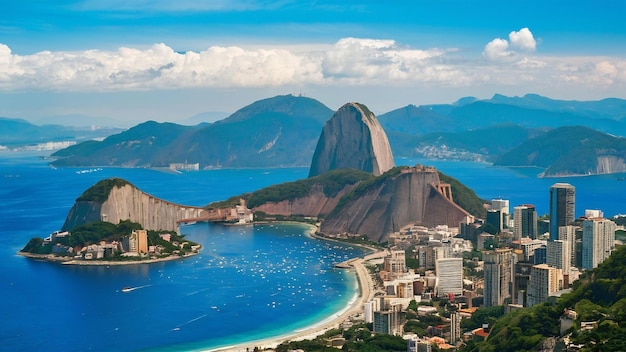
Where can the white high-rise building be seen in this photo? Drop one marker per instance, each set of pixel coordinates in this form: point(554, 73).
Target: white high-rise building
point(558, 255)
point(544, 281)
point(598, 241)
point(568, 233)
point(449, 276)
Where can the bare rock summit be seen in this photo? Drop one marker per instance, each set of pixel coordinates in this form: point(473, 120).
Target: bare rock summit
point(352, 138)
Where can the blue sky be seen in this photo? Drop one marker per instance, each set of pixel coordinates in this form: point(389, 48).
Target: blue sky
point(168, 60)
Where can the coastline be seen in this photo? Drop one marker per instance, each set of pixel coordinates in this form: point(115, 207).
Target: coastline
point(70, 261)
point(366, 287)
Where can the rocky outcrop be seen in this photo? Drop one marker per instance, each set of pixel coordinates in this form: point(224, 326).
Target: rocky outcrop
point(411, 197)
point(126, 202)
point(316, 203)
point(610, 164)
point(352, 138)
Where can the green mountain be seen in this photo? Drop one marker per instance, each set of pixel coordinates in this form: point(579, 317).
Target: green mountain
point(279, 131)
point(283, 131)
point(568, 150)
point(598, 296)
point(423, 130)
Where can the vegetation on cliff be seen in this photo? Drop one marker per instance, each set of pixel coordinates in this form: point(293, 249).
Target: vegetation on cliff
point(465, 197)
point(599, 296)
point(332, 182)
point(100, 191)
point(367, 185)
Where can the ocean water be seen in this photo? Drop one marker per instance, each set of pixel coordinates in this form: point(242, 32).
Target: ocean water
point(248, 283)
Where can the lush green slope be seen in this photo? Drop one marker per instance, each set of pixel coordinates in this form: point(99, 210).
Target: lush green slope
point(332, 182)
point(274, 132)
point(565, 150)
point(600, 295)
point(140, 146)
point(465, 197)
point(100, 191)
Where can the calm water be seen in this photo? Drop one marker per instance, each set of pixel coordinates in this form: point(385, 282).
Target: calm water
point(248, 283)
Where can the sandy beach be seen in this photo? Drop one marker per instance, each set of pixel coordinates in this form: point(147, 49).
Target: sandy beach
point(366, 293)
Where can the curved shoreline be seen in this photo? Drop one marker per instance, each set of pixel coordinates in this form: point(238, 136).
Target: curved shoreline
point(366, 292)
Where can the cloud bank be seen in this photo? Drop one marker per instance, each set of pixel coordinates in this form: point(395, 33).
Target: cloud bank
point(349, 62)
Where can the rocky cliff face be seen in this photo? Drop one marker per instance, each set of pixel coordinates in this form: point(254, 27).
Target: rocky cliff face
point(352, 138)
point(129, 203)
point(408, 198)
point(314, 204)
point(610, 164)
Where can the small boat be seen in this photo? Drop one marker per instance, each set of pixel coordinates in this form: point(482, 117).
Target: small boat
point(127, 289)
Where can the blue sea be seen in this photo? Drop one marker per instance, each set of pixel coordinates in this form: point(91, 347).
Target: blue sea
point(248, 283)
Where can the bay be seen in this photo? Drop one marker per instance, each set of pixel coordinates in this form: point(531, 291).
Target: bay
point(248, 283)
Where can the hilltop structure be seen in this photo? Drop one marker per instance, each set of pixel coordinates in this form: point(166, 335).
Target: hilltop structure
point(352, 138)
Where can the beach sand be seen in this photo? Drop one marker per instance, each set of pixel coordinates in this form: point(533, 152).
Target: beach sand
point(367, 290)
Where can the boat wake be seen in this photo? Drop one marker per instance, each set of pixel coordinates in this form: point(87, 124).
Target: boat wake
point(129, 289)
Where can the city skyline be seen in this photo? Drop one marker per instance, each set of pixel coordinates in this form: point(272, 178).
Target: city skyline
point(167, 61)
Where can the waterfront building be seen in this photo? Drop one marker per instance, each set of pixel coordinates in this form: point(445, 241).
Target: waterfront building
point(449, 276)
point(598, 241)
point(562, 207)
point(544, 281)
point(499, 274)
point(395, 262)
point(524, 221)
point(138, 241)
point(368, 312)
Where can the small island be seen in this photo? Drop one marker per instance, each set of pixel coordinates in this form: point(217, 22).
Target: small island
point(104, 243)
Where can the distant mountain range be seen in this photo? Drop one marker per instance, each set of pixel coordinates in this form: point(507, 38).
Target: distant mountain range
point(283, 131)
point(275, 132)
point(19, 133)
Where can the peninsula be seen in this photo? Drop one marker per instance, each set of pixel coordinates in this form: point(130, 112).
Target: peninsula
point(103, 243)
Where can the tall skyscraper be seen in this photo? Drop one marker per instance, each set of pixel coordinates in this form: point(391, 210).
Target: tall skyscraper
point(562, 207)
point(499, 275)
point(524, 221)
point(598, 241)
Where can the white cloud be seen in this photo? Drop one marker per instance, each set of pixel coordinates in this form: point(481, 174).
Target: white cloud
point(523, 39)
point(349, 62)
point(502, 50)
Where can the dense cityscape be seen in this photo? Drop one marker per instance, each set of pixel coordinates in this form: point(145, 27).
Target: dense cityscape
point(511, 260)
